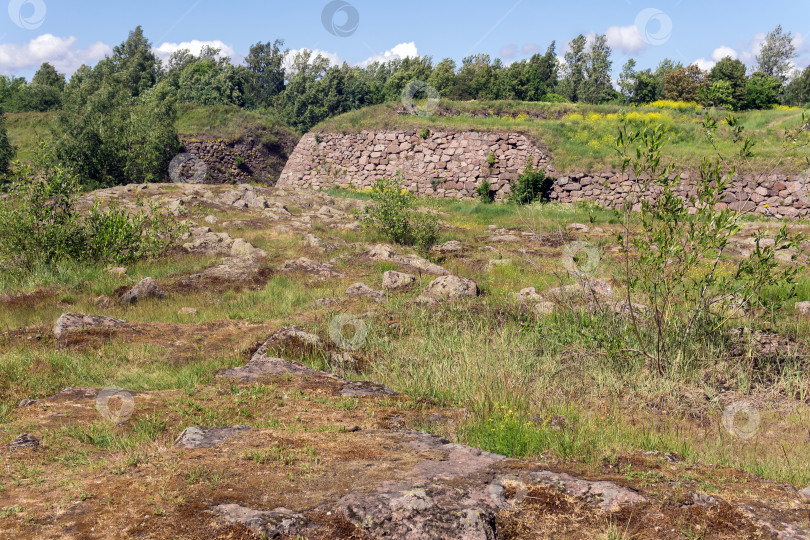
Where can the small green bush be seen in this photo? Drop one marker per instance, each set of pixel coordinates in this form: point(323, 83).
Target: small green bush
point(491, 159)
point(484, 191)
point(554, 98)
point(40, 223)
point(529, 186)
point(395, 216)
point(425, 133)
point(7, 151)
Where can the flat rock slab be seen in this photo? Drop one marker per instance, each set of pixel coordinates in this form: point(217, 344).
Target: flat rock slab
point(269, 523)
point(310, 267)
point(259, 368)
point(606, 495)
point(363, 290)
point(289, 335)
point(197, 437)
point(384, 252)
point(366, 389)
point(74, 322)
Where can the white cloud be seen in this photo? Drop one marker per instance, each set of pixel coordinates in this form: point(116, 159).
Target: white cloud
point(195, 46)
point(530, 48)
point(704, 64)
point(801, 43)
point(402, 50)
point(508, 51)
point(721, 52)
point(627, 39)
point(60, 52)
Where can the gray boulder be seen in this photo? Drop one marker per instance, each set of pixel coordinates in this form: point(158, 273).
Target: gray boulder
point(397, 281)
point(73, 322)
point(451, 287)
point(145, 289)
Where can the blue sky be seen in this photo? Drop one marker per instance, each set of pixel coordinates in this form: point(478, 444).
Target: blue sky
point(68, 33)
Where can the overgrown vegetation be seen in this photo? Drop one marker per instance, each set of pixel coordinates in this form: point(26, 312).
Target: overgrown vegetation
point(676, 265)
point(41, 223)
point(529, 186)
point(395, 216)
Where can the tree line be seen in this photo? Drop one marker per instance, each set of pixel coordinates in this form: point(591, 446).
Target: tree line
point(114, 121)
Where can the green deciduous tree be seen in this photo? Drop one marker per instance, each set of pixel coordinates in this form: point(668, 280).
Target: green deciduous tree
point(113, 128)
point(798, 91)
point(443, 77)
point(541, 74)
point(733, 72)
point(597, 87)
point(574, 71)
point(265, 64)
point(7, 151)
point(775, 57)
point(762, 91)
point(684, 84)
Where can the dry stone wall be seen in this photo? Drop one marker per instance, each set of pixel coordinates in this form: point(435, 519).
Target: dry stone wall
point(777, 195)
point(453, 164)
point(237, 162)
point(446, 164)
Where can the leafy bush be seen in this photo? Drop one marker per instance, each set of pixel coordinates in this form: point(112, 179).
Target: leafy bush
point(676, 265)
point(7, 151)
point(529, 186)
point(119, 235)
point(395, 216)
point(491, 159)
point(424, 133)
point(40, 223)
point(484, 191)
point(554, 98)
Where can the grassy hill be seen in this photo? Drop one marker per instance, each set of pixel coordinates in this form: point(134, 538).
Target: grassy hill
point(212, 122)
point(581, 137)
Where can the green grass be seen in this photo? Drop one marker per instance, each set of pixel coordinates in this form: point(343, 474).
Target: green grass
point(211, 122)
point(25, 128)
point(229, 122)
point(577, 141)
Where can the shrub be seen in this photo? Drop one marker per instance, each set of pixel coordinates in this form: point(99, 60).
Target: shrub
point(394, 215)
point(107, 136)
point(675, 264)
point(484, 191)
point(7, 151)
point(425, 133)
point(554, 98)
point(529, 186)
point(40, 223)
point(491, 159)
point(118, 235)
